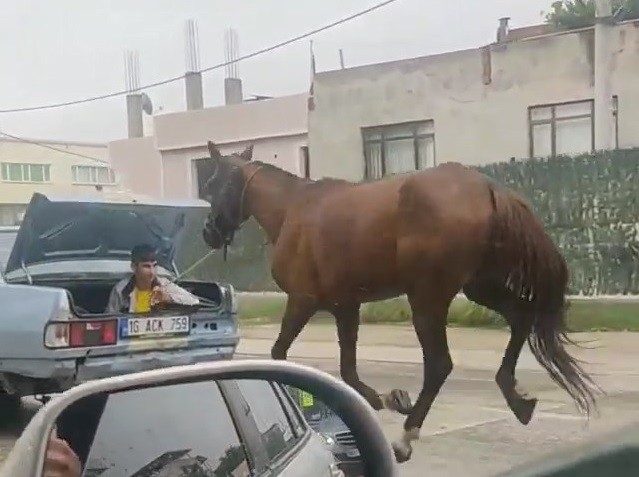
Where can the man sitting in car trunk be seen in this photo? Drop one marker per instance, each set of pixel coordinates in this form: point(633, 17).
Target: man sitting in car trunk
point(144, 289)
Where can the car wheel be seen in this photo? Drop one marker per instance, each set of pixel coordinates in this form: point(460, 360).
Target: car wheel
point(11, 410)
point(9, 400)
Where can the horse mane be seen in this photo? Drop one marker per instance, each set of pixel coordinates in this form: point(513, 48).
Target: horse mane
point(285, 178)
point(267, 166)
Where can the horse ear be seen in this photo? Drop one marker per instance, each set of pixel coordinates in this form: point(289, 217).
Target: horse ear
point(214, 152)
point(247, 154)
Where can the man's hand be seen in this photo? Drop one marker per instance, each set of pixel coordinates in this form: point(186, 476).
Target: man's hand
point(160, 295)
point(61, 461)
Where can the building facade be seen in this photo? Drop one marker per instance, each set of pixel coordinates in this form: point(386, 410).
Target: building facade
point(50, 167)
point(165, 164)
point(524, 96)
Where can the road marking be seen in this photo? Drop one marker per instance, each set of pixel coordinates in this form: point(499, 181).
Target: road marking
point(541, 414)
point(545, 413)
point(463, 427)
point(323, 363)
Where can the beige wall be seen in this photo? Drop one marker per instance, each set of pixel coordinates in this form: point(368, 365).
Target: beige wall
point(277, 128)
point(61, 163)
point(15, 195)
point(475, 123)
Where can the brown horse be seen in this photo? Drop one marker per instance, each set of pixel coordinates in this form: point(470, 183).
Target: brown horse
point(428, 235)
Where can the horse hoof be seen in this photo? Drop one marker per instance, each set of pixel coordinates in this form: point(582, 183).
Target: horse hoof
point(399, 401)
point(523, 409)
point(402, 453)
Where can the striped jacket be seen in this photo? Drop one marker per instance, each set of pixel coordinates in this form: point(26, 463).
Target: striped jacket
point(122, 298)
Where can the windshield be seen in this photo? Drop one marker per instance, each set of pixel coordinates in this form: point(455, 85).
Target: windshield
point(312, 408)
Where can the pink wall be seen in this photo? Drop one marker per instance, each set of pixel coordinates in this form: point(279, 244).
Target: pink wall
point(283, 116)
point(162, 164)
point(138, 165)
point(179, 173)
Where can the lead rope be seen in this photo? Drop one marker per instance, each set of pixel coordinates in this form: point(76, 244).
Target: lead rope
point(194, 265)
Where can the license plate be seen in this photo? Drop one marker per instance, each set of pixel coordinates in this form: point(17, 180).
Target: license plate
point(352, 453)
point(143, 327)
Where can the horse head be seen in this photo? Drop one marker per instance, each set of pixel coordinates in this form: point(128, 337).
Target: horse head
point(224, 190)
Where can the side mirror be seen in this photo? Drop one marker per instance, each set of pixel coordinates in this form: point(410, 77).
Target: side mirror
point(230, 418)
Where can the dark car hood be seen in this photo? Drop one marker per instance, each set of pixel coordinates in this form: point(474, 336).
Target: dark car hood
point(79, 228)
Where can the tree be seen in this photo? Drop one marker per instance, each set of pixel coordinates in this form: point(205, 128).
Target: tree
point(571, 14)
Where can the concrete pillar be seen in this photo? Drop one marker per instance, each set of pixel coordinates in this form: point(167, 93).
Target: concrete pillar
point(233, 91)
point(194, 95)
point(502, 31)
point(604, 30)
point(134, 115)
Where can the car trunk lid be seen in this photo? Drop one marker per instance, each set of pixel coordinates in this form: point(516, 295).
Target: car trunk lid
point(93, 228)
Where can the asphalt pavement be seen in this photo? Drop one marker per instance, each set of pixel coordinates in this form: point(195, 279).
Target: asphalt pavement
point(469, 426)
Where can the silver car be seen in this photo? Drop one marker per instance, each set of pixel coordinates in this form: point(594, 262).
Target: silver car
point(63, 262)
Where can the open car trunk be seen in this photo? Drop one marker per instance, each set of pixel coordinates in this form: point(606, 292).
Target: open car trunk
point(90, 297)
point(84, 244)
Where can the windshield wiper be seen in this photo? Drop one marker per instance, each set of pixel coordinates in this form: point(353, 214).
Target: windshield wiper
point(57, 230)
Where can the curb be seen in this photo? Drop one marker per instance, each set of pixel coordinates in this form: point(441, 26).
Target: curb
point(324, 358)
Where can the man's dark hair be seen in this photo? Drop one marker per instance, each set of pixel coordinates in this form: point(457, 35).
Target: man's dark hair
point(142, 253)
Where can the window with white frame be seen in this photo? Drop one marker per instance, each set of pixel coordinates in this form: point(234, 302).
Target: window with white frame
point(20, 172)
point(398, 148)
point(565, 128)
point(93, 175)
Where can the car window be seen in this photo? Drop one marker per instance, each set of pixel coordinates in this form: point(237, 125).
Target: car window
point(312, 408)
point(297, 422)
point(270, 418)
point(196, 436)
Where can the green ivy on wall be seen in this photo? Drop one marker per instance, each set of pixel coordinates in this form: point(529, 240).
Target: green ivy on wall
point(589, 203)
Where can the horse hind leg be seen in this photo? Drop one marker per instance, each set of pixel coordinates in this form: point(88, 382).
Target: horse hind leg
point(519, 402)
point(347, 321)
point(496, 298)
point(298, 312)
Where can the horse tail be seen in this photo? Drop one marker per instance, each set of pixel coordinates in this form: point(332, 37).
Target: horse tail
point(532, 268)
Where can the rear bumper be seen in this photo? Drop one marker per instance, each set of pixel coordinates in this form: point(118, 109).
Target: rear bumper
point(53, 376)
point(106, 367)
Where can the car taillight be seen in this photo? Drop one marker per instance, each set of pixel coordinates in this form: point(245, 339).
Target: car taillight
point(229, 296)
point(81, 334)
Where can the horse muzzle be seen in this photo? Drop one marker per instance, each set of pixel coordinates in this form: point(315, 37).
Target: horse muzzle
point(212, 236)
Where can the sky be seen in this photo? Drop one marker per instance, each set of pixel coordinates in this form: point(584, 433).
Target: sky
point(63, 50)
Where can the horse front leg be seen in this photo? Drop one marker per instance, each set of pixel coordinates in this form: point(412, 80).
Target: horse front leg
point(429, 320)
point(347, 321)
point(299, 310)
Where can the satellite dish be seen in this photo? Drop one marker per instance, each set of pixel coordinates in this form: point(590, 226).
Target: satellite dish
point(147, 105)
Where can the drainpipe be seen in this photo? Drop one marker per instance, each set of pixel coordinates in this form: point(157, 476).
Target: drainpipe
point(604, 30)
